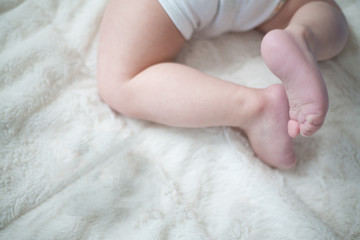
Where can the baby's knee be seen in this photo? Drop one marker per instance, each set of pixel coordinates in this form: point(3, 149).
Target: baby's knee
point(115, 94)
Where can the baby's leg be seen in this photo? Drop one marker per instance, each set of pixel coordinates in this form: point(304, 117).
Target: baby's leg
point(316, 31)
point(135, 77)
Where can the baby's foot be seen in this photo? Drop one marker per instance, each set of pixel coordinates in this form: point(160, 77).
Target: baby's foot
point(289, 57)
point(267, 132)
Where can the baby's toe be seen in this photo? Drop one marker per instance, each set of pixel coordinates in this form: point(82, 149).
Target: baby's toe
point(293, 128)
point(307, 129)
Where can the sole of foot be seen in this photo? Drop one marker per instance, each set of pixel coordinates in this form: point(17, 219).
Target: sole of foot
point(289, 57)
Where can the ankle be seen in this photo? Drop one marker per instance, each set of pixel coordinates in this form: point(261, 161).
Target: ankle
point(254, 106)
point(304, 35)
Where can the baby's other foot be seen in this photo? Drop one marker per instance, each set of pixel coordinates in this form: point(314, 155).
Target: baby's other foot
point(267, 131)
point(289, 57)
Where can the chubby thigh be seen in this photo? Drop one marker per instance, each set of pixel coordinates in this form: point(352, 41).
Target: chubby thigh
point(134, 36)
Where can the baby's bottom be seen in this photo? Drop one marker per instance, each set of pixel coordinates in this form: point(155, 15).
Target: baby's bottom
point(136, 78)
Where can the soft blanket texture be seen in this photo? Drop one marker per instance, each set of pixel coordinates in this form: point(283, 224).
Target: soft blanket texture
point(70, 168)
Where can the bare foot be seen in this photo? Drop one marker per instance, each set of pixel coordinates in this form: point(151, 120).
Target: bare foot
point(289, 57)
point(267, 132)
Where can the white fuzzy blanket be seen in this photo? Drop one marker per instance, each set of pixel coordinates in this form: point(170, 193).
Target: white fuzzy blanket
point(70, 168)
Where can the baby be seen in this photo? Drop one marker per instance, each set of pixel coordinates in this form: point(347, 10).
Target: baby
point(138, 40)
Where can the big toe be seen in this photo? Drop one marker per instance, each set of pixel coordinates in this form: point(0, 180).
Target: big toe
point(293, 128)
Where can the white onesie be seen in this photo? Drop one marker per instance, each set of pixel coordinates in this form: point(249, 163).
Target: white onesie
point(210, 18)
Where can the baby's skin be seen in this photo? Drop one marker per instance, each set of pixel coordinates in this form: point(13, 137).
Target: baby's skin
point(290, 59)
point(267, 129)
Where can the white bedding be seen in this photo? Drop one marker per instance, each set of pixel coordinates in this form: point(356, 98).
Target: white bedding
point(70, 168)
